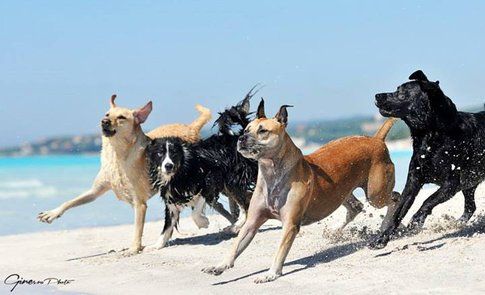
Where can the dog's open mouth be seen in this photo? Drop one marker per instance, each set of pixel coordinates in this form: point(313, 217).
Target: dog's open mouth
point(247, 151)
point(108, 132)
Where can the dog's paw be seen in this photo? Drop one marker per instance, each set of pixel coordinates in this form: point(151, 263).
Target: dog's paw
point(232, 229)
point(132, 251)
point(414, 227)
point(215, 270)
point(464, 218)
point(268, 277)
point(417, 222)
point(201, 221)
point(154, 247)
point(49, 216)
point(379, 242)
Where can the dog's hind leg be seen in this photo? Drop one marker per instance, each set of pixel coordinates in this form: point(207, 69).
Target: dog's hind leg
point(391, 209)
point(354, 207)
point(236, 199)
point(470, 206)
point(198, 212)
point(172, 215)
point(236, 227)
point(240, 221)
point(380, 193)
point(221, 210)
point(380, 185)
point(234, 208)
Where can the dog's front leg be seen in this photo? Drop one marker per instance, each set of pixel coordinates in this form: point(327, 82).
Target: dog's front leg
point(244, 238)
point(470, 205)
point(443, 194)
point(140, 212)
point(290, 230)
point(172, 215)
point(411, 190)
point(99, 187)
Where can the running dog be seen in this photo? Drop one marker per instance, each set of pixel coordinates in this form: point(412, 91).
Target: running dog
point(448, 149)
point(123, 163)
point(181, 170)
point(300, 190)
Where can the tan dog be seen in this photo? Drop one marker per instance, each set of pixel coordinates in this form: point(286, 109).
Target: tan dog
point(301, 190)
point(124, 165)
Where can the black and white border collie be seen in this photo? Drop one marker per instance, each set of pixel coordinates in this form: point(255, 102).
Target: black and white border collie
point(188, 173)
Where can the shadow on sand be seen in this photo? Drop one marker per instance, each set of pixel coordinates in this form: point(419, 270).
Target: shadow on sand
point(478, 226)
point(212, 238)
point(340, 251)
point(325, 256)
point(207, 239)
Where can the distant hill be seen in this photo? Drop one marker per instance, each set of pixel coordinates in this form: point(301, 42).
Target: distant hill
point(306, 133)
point(320, 132)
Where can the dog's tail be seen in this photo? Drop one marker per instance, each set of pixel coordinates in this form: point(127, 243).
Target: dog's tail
point(205, 116)
point(385, 128)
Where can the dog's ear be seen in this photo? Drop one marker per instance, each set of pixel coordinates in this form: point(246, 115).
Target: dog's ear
point(243, 106)
point(142, 114)
point(419, 76)
point(112, 101)
point(260, 112)
point(282, 115)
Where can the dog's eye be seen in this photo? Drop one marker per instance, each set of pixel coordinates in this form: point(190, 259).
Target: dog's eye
point(107, 115)
point(262, 131)
point(121, 118)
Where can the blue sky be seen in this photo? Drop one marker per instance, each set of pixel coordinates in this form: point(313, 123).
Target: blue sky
point(61, 60)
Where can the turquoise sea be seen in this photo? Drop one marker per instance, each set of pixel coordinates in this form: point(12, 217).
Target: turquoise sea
point(29, 185)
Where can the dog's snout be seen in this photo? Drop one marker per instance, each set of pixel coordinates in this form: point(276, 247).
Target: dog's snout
point(169, 167)
point(380, 97)
point(105, 122)
point(243, 138)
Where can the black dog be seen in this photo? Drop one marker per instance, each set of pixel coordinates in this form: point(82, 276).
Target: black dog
point(448, 149)
point(185, 172)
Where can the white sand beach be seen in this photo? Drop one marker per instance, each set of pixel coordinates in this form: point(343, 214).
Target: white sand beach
point(444, 258)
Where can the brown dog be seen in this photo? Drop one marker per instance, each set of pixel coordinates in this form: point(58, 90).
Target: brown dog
point(301, 190)
point(124, 165)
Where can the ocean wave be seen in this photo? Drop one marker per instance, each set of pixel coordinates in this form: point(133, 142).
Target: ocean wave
point(27, 188)
point(27, 183)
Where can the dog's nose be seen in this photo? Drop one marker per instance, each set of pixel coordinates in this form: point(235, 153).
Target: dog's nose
point(380, 97)
point(242, 138)
point(105, 122)
point(169, 167)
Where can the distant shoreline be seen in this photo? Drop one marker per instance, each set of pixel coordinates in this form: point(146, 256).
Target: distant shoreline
point(393, 145)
